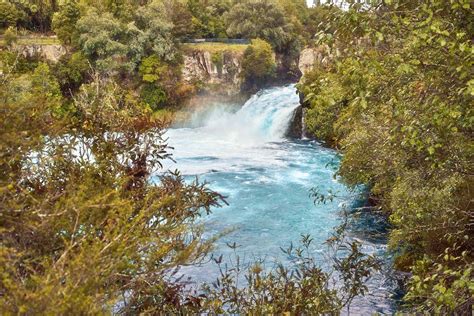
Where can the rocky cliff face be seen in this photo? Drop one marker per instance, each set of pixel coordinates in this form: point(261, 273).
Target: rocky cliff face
point(310, 57)
point(216, 72)
point(50, 52)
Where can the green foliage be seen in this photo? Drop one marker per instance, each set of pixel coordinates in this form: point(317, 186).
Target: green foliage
point(261, 19)
point(325, 96)
point(316, 19)
point(101, 40)
point(207, 18)
point(152, 33)
point(152, 68)
point(257, 19)
point(277, 22)
point(10, 36)
point(258, 64)
point(300, 289)
point(71, 71)
point(433, 281)
point(100, 226)
point(45, 89)
point(162, 83)
point(397, 99)
point(181, 18)
point(34, 15)
point(13, 62)
point(153, 96)
point(64, 21)
point(9, 14)
point(116, 46)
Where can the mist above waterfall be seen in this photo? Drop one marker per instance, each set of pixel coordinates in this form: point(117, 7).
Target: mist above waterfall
point(263, 118)
point(225, 137)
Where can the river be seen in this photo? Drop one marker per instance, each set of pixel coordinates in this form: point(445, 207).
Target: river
point(243, 154)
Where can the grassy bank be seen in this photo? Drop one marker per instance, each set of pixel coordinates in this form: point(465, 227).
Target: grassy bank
point(34, 40)
point(214, 47)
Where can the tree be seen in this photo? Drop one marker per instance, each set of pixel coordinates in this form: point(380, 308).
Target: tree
point(117, 46)
point(152, 33)
point(64, 22)
point(397, 99)
point(79, 232)
point(180, 17)
point(258, 64)
point(259, 19)
point(207, 17)
point(37, 14)
point(277, 24)
point(71, 71)
point(102, 40)
point(9, 14)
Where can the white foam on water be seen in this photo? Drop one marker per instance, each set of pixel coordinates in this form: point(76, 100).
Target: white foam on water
point(244, 155)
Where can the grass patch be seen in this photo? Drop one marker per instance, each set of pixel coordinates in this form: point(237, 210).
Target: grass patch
point(214, 47)
point(33, 41)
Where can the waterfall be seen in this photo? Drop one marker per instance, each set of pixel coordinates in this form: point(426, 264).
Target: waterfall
point(263, 118)
point(225, 138)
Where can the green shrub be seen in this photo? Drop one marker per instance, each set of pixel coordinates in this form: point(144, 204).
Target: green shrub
point(258, 64)
point(154, 96)
point(10, 36)
point(71, 71)
point(64, 21)
point(152, 69)
point(9, 14)
point(397, 99)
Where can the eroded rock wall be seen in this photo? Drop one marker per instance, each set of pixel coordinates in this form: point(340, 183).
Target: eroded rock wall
point(312, 56)
point(50, 52)
point(216, 72)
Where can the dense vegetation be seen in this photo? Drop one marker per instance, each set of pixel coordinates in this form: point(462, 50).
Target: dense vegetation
point(86, 229)
point(89, 223)
point(397, 99)
point(119, 38)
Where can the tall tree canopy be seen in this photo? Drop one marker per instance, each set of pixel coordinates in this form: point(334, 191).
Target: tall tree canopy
point(397, 99)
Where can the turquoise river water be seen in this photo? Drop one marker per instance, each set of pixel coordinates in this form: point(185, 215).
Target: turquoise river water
point(243, 154)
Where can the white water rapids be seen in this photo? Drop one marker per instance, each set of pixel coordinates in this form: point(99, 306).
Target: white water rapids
point(243, 154)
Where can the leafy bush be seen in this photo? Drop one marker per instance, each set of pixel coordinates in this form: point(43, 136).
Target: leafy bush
point(10, 36)
point(71, 71)
point(154, 96)
point(207, 18)
point(304, 288)
point(82, 224)
point(397, 99)
point(115, 46)
point(64, 21)
point(258, 64)
point(9, 14)
point(152, 69)
point(259, 19)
